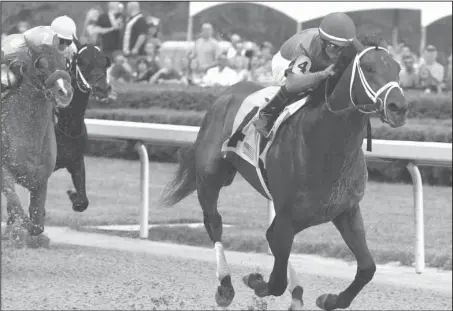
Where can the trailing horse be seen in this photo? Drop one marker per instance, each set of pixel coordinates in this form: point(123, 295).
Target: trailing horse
point(314, 168)
point(28, 136)
point(88, 72)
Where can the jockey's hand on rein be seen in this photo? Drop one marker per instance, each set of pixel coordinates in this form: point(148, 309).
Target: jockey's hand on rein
point(329, 71)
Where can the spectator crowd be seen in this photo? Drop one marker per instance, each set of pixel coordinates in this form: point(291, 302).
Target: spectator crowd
point(132, 40)
point(425, 73)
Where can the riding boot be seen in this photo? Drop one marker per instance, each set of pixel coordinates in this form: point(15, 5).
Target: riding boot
point(269, 113)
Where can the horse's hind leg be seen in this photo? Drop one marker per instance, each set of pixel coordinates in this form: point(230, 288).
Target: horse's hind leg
point(212, 175)
point(17, 220)
point(350, 225)
point(78, 198)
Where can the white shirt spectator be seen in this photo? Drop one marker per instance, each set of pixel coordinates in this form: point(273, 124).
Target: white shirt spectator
point(222, 77)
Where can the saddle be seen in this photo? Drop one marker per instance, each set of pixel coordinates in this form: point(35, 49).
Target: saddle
point(245, 140)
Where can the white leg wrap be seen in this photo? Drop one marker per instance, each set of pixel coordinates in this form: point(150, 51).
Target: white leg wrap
point(293, 279)
point(222, 266)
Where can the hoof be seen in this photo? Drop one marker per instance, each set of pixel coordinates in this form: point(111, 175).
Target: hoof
point(41, 240)
point(253, 280)
point(327, 302)
point(36, 230)
point(18, 237)
point(78, 205)
point(256, 282)
point(225, 292)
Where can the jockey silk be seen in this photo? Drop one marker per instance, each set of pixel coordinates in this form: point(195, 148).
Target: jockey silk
point(307, 43)
point(15, 45)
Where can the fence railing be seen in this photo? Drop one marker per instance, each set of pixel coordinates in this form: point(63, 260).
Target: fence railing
point(413, 154)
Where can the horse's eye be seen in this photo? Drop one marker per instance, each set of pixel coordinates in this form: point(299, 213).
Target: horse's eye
point(41, 63)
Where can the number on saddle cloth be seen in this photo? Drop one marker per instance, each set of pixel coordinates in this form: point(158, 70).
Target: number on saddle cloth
point(239, 135)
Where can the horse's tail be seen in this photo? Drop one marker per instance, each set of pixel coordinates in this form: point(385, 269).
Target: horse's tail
point(184, 182)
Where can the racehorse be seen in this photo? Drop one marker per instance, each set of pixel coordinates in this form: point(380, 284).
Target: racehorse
point(88, 72)
point(28, 136)
point(316, 168)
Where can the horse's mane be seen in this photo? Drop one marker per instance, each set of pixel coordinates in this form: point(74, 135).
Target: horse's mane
point(343, 63)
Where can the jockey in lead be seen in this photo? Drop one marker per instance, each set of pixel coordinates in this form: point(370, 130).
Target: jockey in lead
point(303, 61)
point(63, 29)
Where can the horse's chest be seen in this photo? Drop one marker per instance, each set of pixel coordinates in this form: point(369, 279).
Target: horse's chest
point(331, 190)
point(349, 188)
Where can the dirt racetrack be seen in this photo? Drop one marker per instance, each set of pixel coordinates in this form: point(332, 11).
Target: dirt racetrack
point(93, 271)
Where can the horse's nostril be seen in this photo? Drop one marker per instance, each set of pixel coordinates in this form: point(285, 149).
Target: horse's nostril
point(393, 107)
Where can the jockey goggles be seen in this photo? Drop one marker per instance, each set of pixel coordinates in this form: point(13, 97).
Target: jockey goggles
point(63, 43)
point(332, 46)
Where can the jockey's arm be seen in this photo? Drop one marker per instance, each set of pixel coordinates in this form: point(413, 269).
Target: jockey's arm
point(297, 84)
point(298, 77)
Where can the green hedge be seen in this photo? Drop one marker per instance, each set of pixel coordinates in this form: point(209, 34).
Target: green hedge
point(435, 106)
point(414, 130)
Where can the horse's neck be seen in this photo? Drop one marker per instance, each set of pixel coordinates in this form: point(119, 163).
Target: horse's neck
point(28, 121)
point(347, 132)
point(72, 117)
point(339, 133)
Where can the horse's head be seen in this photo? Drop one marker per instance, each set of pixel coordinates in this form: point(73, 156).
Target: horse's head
point(372, 78)
point(46, 72)
point(89, 67)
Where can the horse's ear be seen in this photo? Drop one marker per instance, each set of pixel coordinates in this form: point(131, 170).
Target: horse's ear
point(76, 42)
point(358, 45)
point(108, 62)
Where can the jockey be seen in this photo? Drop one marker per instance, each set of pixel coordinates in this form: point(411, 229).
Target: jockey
point(60, 33)
point(303, 61)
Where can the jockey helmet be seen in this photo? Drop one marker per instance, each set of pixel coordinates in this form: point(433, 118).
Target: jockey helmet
point(338, 29)
point(64, 27)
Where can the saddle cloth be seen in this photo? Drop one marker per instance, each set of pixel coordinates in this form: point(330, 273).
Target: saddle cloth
point(246, 142)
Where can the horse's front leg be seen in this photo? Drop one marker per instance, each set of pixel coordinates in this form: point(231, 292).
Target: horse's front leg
point(78, 198)
point(350, 225)
point(37, 210)
point(280, 236)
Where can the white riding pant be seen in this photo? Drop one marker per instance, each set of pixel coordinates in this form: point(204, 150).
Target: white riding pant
point(279, 66)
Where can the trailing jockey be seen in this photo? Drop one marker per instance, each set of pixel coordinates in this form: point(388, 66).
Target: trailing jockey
point(60, 33)
point(303, 61)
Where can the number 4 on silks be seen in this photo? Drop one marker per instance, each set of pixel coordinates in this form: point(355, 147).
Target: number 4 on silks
point(301, 65)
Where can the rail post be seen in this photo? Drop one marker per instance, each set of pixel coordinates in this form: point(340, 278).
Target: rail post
point(144, 185)
point(419, 221)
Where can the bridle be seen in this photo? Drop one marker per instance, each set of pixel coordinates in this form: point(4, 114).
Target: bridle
point(378, 105)
point(82, 83)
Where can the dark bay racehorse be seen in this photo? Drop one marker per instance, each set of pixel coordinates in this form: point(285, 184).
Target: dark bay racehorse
point(28, 136)
point(88, 72)
point(316, 168)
